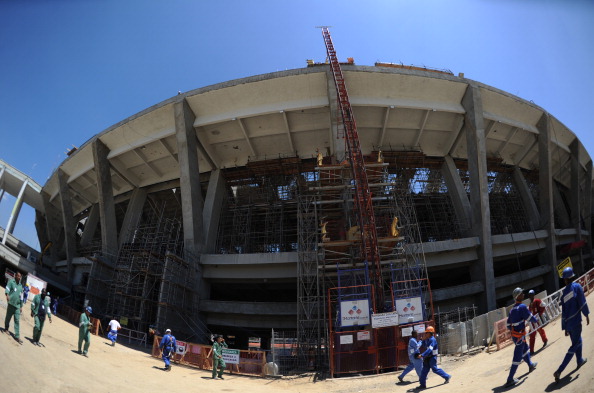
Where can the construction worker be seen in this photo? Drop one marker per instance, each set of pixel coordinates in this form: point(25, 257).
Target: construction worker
point(40, 308)
point(167, 346)
point(516, 323)
point(114, 326)
point(13, 292)
point(217, 357)
point(537, 308)
point(413, 356)
point(573, 305)
point(84, 331)
point(430, 359)
point(25, 293)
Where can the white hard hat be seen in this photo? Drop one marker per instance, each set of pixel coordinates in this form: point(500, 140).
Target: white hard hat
point(517, 292)
point(168, 331)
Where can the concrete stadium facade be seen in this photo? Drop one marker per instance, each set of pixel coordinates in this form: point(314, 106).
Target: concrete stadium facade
point(503, 189)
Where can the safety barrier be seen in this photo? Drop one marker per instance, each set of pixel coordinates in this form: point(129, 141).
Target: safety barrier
point(552, 304)
point(133, 335)
point(199, 356)
point(73, 316)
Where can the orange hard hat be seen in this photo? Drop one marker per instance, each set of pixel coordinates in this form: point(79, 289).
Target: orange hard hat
point(430, 329)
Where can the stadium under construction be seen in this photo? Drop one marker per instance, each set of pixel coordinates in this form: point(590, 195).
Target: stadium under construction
point(259, 204)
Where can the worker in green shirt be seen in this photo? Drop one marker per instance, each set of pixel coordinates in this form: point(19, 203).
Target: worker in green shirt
point(13, 291)
point(84, 332)
point(40, 308)
point(217, 357)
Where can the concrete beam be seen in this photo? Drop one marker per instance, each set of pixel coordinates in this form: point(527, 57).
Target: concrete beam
point(16, 210)
point(109, 230)
point(191, 193)
point(457, 193)
point(133, 213)
point(90, 226)
point(547, 215)
point(474, 124)
point(336, 131)
point(67, 221)
point(213, 205)
point(527, 199)
point(472, 288)
point(559, 208)
point(54, 225)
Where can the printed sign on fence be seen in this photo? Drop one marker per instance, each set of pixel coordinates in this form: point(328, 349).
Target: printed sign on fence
point(566, 263)
point(231, 356)
point(180, 347)
point(346, 339)
point(409, 310)
point(384, 319)
point(354, 312)
point(363, 335)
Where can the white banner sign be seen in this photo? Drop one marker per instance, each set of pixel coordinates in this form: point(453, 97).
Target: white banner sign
point(409, 310)
point(36, 284)
point(346, 339)
point(364, 335)
point(354, 312)
point(231, 356)
point(385, 319)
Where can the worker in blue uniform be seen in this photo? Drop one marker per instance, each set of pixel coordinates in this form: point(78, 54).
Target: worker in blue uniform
point(573, 305)
point(430, 359)
point(416, 363)
point(516, 323)
point(168, 345)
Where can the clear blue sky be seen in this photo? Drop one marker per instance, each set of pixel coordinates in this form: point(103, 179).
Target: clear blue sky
point(69, 68)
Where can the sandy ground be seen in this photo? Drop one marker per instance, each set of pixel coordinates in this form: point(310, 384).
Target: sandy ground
point(57, 368)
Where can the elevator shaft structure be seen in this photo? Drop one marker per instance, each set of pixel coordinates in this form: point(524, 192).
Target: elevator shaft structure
point(362, 195)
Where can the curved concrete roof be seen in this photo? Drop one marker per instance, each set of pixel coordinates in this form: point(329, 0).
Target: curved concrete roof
point(289, 113)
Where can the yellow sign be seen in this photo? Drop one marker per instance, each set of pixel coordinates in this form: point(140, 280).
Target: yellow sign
point(124, 321)
point(566, 263)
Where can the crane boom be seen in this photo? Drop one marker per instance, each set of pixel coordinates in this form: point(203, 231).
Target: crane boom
point(363, 203)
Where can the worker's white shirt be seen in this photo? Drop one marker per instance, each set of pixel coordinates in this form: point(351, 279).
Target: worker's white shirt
point(114, 325)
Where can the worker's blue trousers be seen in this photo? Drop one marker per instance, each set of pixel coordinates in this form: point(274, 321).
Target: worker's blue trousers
point(576, 348)
point(431, 365)
point(521, 352)
point(416, 364)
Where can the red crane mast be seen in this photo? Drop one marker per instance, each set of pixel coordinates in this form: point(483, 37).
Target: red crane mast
point(363, 202)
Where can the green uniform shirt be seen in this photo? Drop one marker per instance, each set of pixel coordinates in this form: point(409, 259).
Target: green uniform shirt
point(14, 290)
point(37, 302)
point(84, 324)
point(217, 348)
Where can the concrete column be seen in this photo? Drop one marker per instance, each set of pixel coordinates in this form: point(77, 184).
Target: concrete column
point(481, 270)
point(109, 230)
point(189, 179)
point(574, 197)
point(559, 208)
point(588, 213)
point(547, 213)
point(527, 199)
point(54, 225)
point(90, 226)
point(16, 210)
point(2, 170)
point(133, 213)
point(337, 142)
point(68, 222)
point(215, 195)
point(457, 194)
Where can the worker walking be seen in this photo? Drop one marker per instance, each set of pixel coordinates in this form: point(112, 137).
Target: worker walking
point(516, 323)
point(167, 346)
point(13, 291)
point(217, 357)
point(84, 331)
point(573, 305)
point(430, 359)
point(40, 309)
point(114, 326)
point(537, 307)
point(25, 293)
point(413, 356)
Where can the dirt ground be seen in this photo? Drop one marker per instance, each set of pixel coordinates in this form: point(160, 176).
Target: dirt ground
point(57, 368)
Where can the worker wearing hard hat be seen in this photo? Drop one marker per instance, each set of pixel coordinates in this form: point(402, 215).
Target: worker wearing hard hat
point(168, 345)
point(573, 305)
point(84, 332)
point(537, 307)
point(217, 357)
point(430, 359)
point(516, 323)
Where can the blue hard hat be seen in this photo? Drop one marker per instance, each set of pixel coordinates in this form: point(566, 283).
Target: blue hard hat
point(568, 272)
point(89, 309)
